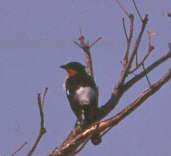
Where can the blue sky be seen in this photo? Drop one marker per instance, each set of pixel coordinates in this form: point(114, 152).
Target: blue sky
point(37, 37)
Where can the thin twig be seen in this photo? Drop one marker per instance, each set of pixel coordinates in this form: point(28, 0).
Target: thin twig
point(148, 80)
point(118, 92)
point(44, 95)
point(142, 62)
point(77, 44)
point(98, 39)
point(123, 9)
point(150, 49)
point(127, 68)
point(42, 128)
point(124, 27)
point(20, 148)
point(40, 110)
point(41, 133)
point(131, 28)
point(138, 12)
point(113, 121)
point(86, 48)
point(151, 67)
point(136, 57)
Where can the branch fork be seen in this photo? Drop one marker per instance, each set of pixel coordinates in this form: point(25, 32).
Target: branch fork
point(79, 137)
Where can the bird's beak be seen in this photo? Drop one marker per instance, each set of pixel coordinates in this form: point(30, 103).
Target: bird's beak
point(63, 66)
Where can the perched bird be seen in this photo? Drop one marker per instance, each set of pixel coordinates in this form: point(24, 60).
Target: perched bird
point(81, 92)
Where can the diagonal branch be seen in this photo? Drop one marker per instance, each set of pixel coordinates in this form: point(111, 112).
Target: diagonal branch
point(113, 121)
point(150, 49)
point(118, 92)
point(124, 27)
point(20, 148)
point(139, 76)
point(148, 80)
point(123, 9)
point(81, 137)
point(137, 10)
point(127, 68)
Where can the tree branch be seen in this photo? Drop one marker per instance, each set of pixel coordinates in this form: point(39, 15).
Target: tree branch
point(127, 68)
point(139, 76)
point(124, 27)
point(42, 128)
point(137, 10)
point(150, 49)
point(131, 28)
point(86, 48)
point(79, 138)
point(123, 9)
point(20, 148)
point(113, 121)
point(118, 92)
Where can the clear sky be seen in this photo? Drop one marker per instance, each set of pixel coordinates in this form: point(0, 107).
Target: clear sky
point(36, 37)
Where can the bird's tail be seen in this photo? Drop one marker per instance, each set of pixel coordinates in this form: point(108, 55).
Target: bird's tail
point(90, 114)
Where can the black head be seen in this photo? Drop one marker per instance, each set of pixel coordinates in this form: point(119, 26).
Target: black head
point(76, 66)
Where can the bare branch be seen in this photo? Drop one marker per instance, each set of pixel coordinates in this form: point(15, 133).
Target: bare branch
point(123, 9)
point(150, 49)
point(127, 68)
point(138, 12)
point(119, 91)
point(131, 107)
point(136, 57)
point(131, 28)
point(151, 67)
point(86, 48)
point(82, 146)
point(148, 80)
point(44, 95)
point(77, 44)
point(98, 39)
point(20, 148)
point(124, 27)
point(42, 128)
point(80, 137)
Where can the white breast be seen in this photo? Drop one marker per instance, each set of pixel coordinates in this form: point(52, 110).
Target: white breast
point(85, 94)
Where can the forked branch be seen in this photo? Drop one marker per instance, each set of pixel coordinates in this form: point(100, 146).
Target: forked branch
point(79, 136)
point(42, 131)
point(150, 49)
point(86, 48)
point(100, 127)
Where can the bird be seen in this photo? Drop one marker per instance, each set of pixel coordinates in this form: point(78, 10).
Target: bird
point(82, 92)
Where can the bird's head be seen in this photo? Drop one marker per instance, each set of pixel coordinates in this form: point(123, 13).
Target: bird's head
point(74, 68)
